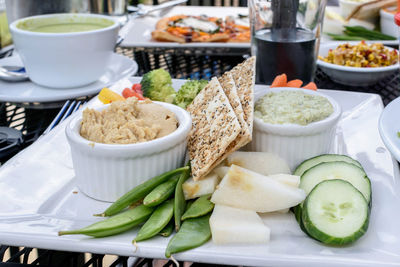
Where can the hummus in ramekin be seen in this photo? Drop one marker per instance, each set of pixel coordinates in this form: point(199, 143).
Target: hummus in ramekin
point(127, 122)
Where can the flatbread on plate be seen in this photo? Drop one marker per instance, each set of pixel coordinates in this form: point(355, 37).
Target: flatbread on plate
point(244, 137)
point(214, 127)
point(244, 77)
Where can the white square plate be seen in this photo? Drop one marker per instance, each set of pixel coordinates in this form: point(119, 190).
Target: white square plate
point(138, 31)
point(39, 198)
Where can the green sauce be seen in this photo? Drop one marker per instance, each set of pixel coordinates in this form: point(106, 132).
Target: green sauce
point(293, 107)
point(64, 24)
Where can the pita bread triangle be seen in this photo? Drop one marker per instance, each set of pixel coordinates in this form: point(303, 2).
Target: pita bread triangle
point(214, 127)
point(244, 77)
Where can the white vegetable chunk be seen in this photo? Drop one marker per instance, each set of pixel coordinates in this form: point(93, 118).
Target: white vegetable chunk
point(221, 171)
point(288, 179)
point(237, 226)
point(193, 189)
point(244, 189)
point(262, 162)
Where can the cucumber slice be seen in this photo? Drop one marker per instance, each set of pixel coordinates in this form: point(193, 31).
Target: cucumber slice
point(335, 213)
point(309, 163)
point(336, 170)
point(298, 210)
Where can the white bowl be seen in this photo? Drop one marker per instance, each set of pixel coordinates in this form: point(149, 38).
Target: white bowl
point(388, 26)
point(353, 76)
point(295, 143)
point(107, 171)
point(65, 60)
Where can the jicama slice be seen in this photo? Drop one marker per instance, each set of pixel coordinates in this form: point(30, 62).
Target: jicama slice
point(262, 162)
point(205, 186)
point(221, 171)
point(290, 180)
point(237, 226)
point(245, 189)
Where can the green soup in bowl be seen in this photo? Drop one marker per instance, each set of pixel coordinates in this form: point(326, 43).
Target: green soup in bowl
point(65, 50)
point(64, 24)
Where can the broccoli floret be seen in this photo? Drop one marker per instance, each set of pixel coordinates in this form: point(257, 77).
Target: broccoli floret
point(157, 85)
point(188, 92)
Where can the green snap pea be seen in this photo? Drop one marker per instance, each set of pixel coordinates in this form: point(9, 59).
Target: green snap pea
point(200, 207)
point(167, 230)
point(140, 191)
point(180, 202)
point(193, 233)
point(115, 224)
point(157, 221)
point(189, 204)
point(161, 193)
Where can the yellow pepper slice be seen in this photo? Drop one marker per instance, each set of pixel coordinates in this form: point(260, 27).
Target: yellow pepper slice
point(107, 96)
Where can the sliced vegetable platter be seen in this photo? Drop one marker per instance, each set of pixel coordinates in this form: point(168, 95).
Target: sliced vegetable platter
point(39, 198)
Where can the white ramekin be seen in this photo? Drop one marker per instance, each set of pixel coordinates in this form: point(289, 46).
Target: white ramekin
point(107, 171)
point(388, 26)
point(295, 143)
point(65, 60)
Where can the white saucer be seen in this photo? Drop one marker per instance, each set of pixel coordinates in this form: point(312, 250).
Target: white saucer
point(119, 67)
point(389, 126)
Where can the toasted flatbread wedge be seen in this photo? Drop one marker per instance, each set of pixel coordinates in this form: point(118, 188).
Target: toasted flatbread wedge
point(244, 137)
point(244, 77)
point(229, 87)
point(214, 127)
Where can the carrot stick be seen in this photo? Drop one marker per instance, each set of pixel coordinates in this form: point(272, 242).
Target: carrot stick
point(294, 83)
point(311, 86)
point(279, 81)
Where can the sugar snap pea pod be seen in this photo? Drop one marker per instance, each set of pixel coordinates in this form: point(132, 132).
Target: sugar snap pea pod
point(140, 191)
point(157, 221)
point(167, 230)
point(193, 233)
point(180, 202)
point(200, 207)
point(115, 224)
point(161, 192)
point(188, 204)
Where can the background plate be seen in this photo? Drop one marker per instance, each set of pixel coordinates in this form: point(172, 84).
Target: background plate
point(389, 126)
point(119, 67)
point(39, 198)
point(138, 31)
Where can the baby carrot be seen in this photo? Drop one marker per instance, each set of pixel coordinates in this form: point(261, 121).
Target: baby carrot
point(279, 81)
point(294, 83)
point(311, 86)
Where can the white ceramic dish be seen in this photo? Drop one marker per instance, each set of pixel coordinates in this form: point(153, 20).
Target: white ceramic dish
point(389, 126)
point(40, 197)
point(65, 60)
point(118, 68)
point(138, 31)
point(295, 143)
point(388, 26)
point(106, 172)
point(353, 76)
point(327, 39)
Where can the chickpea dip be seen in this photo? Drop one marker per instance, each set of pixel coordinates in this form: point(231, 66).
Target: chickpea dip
point(294, 107)
point(127, 122)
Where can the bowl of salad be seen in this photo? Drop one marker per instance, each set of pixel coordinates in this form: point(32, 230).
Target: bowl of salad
point(357, 63)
